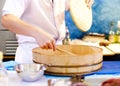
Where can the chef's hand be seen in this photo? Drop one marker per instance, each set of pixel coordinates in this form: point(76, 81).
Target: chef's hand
point(89, 3)
point(49, 45)
point(45, 41)
point(111, 82)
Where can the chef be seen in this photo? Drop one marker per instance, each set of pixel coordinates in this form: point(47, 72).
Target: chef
point(36, 23)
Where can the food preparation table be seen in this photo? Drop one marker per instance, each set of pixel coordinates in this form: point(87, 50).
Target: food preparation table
point(110, 69)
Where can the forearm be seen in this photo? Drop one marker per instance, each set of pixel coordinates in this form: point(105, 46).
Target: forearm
point(14, 24)
point(18, 26)
point(67, 3)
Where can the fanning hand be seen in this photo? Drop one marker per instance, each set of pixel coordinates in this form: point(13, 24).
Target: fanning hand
point(89, 3)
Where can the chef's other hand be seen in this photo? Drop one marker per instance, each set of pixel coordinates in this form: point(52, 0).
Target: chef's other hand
point(111, 82)
point(89, 3)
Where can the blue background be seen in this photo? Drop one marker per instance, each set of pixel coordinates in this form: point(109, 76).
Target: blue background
point(104, 11)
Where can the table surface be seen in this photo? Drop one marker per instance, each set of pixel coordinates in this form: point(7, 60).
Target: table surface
point(93, 80)
point(110, 69)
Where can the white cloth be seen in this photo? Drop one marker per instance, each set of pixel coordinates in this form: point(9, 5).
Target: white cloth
point(41, 13)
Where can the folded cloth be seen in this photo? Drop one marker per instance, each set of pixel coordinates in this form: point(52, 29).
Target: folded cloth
point(9, 65)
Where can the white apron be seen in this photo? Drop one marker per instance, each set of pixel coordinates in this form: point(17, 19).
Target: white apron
point(36, 13)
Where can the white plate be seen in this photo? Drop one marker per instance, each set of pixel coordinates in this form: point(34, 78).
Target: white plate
point(81, 14)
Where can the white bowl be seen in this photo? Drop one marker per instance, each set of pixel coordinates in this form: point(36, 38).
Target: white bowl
point(30, 72)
